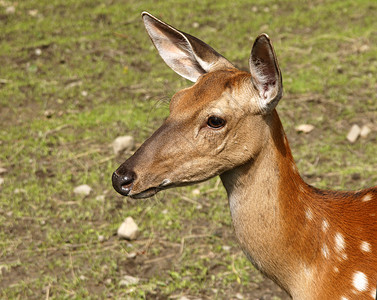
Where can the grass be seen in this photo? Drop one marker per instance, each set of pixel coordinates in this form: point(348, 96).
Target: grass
point(75, 75)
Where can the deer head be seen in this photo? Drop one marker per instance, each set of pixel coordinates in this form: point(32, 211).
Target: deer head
point(217, 124)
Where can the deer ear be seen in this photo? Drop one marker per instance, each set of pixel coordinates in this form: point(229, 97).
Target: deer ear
point(185, 54)
point(265, 73)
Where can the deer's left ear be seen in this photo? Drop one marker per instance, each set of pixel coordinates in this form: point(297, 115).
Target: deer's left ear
point(265, 73)
point(185, 54)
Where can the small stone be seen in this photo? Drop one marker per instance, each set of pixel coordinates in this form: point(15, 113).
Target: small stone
point(226, 248)
point(129, 280)
point(254, 9)
point(122, 144)
point(83, 189)
point(196, 192)
point(48, 113)
point(183, 298)
point(131, 255)
point(239, 296)
point(19, 191)
point(363, 48)
point(100, 198)
point(38, 52)
point(195, 25)
point(84, 93)
point(101, 238)
point(10, 10)
point(128, 229)
point(33, 12)
point(354, 133)
point(3, 170)
point(1, 181)
point(165, 211)
point(365, 130)
point(82, 277)
point(108, 281)
point(305, 128)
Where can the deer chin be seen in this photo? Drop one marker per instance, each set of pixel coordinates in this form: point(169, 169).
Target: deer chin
point(146, 193)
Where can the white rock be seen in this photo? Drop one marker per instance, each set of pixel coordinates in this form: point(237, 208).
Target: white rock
point(196, 192)
point(33, 12)
point(183, 298)
point(83, 189)
point(38, 52)
point(19, 191)
point(100, 198)
point(108, 281)
point(101, 238)
point(129, 280)
point(226, 248)
point(10, 10)
point(1, 181)
point(3, 170)
point(128, 229)
point(239, 296)
point(305, 128)
point(122, 144)
point(365, 130)
point(354, 133)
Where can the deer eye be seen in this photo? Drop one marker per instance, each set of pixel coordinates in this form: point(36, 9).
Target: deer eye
point(215, 122)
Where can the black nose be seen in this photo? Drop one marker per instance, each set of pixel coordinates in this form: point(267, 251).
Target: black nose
point(123, 183)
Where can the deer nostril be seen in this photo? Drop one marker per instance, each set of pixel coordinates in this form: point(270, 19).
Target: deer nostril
point(123, 183)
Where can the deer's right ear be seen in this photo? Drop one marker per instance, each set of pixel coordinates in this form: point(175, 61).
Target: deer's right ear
point(265, 73)
point(185, 54)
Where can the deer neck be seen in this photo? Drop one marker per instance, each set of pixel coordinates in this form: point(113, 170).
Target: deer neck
point(266, 202)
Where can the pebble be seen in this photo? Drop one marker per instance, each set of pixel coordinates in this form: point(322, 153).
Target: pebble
point(122, 144)
point(365, 130)
point(128, 229)
point(10, 10)
point(83, 189)
point(305, 128)
point(239, 296)
point(129, 280)
point(354, 133)
point(196, 192)
point(3, 170)
point(226, 248)
point(101, 238)
point(100, 198)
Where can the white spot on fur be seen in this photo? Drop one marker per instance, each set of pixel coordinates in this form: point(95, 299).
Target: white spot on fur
point(339, 242)
point(309, 214)
point(325, 225)
point(366, 198)
point(373, 294)
point(365, 246)
point(360, 281)
point(336, 270)
point(325, 251)
point(343, 298)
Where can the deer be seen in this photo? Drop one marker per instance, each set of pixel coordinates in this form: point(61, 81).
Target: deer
point(313, 243)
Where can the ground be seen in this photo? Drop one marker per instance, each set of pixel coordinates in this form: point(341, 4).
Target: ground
point(74, 75)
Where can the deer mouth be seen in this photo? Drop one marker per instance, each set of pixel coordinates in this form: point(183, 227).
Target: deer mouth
point(147, 193)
